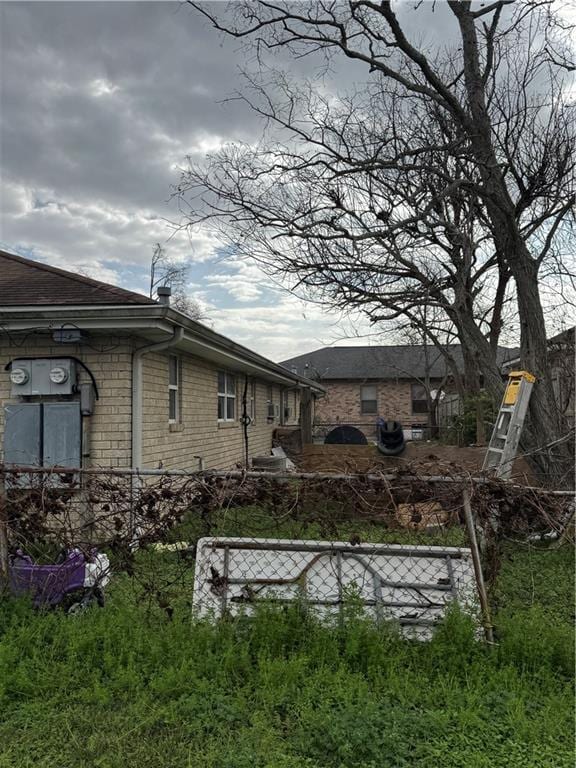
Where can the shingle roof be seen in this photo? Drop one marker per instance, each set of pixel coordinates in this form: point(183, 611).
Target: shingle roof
point(24, 282)
point(390, 362)
point(564, 337)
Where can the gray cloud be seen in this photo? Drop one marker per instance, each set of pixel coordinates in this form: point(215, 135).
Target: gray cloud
point(62, 129)
point(99, 104)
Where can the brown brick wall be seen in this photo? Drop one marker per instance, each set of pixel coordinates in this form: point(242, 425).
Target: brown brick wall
point(342, 403)
point(174, 446)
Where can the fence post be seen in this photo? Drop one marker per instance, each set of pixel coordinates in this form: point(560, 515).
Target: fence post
point(482, 594)
point(4, 561)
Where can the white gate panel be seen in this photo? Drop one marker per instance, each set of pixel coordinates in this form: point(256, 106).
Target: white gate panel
point(410, 585)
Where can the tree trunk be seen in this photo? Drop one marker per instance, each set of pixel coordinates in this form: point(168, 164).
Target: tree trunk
point(545, 426)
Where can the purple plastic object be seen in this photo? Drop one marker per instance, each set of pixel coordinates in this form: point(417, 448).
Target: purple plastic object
point(48, 585)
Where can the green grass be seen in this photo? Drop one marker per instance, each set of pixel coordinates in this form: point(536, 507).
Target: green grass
point(315, 523)
point(126, 687)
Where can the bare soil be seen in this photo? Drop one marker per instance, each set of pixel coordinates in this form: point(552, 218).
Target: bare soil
point(425, 458)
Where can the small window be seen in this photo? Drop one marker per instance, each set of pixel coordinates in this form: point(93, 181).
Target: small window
point(226, 396)
point(252, 401)
point(368, 399)
point(174, 376)
point(285, 407)
point(419, 399)
point(270, 407)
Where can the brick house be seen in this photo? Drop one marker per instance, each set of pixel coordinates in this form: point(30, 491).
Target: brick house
point(364, 383)
point(94, 375)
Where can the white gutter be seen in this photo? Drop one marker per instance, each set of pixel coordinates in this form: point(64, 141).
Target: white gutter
point(137, 356)
point(156, 318)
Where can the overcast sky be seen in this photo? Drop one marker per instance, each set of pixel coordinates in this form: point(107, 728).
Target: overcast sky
point(100, 104)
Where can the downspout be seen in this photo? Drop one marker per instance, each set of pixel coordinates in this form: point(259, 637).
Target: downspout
point(137, 390)
point(245, 421)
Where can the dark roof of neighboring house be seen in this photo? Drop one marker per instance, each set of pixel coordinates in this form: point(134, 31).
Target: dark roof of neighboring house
point(389, 362)
point(564, 337)
point(24, 282)
point(560, 343)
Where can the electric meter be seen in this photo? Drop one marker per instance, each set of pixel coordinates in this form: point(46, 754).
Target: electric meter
point(19, 376)
point(58, 375)
point(43, 376)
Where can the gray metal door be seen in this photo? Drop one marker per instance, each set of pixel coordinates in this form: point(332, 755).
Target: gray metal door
point(22, 434)
point(62, 434)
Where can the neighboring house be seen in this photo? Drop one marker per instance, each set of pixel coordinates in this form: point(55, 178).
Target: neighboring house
point(364, 383)
point(170, 391)
point(561, 356)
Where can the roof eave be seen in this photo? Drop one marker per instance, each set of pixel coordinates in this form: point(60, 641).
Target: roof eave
point(155, 319)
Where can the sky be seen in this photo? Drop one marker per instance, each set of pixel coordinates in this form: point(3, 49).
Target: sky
point(100, 104)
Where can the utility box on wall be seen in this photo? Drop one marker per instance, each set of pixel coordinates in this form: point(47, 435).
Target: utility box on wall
point(43, 376)
point(43, 435)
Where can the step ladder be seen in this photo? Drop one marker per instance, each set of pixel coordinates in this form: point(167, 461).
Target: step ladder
point(508, 428)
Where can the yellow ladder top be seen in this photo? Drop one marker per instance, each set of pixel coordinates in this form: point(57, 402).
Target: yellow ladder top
point(515, 379)
point(522, 375)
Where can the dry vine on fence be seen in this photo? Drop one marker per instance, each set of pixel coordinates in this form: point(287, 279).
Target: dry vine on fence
point(109, 510)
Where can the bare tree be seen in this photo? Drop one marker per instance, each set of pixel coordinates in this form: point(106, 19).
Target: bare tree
point(466, 154)
point(168, 272)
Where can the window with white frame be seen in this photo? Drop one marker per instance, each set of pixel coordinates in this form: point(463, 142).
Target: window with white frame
point(288, 411)
point(174, 376)
point(252, 401)
point(270, 405)
point(226, 396)
point(368, 399)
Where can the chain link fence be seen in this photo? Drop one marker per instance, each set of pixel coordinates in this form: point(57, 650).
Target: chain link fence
point(400, 547)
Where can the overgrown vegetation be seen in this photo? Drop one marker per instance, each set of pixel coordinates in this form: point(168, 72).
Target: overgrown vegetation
point(128, 686)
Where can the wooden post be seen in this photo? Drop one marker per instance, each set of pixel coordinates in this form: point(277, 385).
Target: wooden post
point(482, 594)
point(306, 416)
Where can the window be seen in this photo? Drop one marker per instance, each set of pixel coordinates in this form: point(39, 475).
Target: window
point(289, 409)
point(252, 401)
point(270, 406)
point(226, 396)
point(368, 399)
point(419, 399)
point(174, 376)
